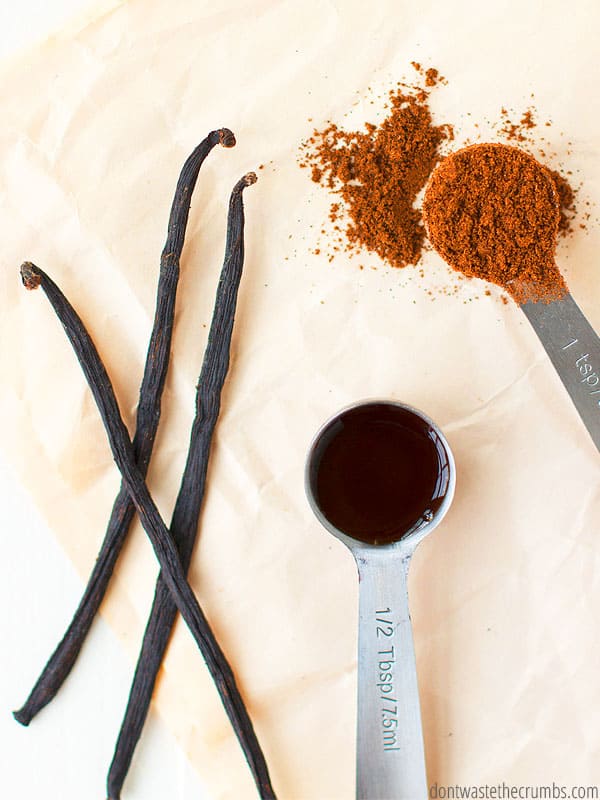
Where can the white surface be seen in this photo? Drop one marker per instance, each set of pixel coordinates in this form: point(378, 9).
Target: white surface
point(28, 22)
point(66, 750)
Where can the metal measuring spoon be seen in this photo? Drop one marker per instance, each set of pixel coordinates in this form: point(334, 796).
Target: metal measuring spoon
point(566, 335)
point(574, 348)
point(390, 754)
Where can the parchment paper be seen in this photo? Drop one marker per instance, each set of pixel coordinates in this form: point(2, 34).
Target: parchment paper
point(96, 124)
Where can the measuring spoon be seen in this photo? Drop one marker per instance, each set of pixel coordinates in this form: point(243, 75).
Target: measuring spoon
point(486, 215)
point(362, 465)
point(574, 348)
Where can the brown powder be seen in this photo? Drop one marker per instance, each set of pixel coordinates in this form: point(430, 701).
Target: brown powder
point(566, 200)
point(432, 76)
point(492, 212)
point(522, 132)
point(517, 131)
point(378, 174)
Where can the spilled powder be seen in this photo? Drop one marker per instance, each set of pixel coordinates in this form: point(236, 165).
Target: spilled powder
point(378, 173)
point(517, 131)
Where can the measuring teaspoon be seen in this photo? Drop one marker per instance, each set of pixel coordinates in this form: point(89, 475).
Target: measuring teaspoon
point(485, 187)
point(574, 348)
point(380, 476)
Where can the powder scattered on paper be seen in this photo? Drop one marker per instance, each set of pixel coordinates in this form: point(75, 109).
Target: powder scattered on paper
point(378, 173)
point(517, 131)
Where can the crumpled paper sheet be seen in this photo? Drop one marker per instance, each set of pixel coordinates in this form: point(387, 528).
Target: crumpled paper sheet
point(96, 124)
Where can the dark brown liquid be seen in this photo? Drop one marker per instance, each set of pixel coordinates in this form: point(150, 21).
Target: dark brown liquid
point(379, 472)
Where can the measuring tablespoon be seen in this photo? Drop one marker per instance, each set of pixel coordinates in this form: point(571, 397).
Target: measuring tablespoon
point(380, 476)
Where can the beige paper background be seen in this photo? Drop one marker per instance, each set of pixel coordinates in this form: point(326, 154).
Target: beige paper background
point(96, 124)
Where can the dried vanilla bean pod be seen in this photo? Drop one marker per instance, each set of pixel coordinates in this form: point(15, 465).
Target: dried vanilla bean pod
point(148, 413)
point(184, 522)
point(163, 545)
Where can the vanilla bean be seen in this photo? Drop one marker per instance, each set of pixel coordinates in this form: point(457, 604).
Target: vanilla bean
point(184, 522)
point(148, 413)
point(162, 542)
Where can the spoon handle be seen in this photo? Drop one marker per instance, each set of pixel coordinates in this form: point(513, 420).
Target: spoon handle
point(574, 349)
point(390, 755)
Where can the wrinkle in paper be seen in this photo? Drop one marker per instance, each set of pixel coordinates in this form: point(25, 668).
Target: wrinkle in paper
point(96, 125)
